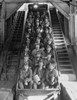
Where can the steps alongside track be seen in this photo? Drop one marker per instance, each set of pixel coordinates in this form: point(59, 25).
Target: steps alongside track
point(13, 55)
point(12, 64)
point(11, 58)
point(64, 64)
point(16, 40)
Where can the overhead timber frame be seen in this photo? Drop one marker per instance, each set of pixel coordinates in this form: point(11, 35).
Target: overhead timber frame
point(8, 7)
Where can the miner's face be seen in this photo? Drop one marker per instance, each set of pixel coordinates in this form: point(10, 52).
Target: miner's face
point(49, 49)
point(26, 67)
point(37, 47)
point(48, 36)
point(41, 64)
point(50, 41)
point(38, 40)
point(38, 56)
point(26, 58)
point(51, 66)
point(49, 57)
point(29, 30)
point(47, 31)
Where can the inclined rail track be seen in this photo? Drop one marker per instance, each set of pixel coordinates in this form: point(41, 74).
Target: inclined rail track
point(64, 63)
point(22, 93)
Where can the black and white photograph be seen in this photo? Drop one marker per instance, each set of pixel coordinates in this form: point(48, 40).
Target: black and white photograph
point(38, 49)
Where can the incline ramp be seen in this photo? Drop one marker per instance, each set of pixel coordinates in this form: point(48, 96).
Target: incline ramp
point(64, 64)
point(11, 62)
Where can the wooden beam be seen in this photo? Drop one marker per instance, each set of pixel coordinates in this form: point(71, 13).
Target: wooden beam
point(62, 7)
point(24, 1)
point(11, 8)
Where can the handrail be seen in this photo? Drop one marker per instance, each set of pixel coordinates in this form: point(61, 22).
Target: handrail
point(55, 50)
point(51, 33)
point(56, 58)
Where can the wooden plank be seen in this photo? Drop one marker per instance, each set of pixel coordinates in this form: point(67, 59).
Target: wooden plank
point(32, 92)
point(62, 7)
point(24, 1)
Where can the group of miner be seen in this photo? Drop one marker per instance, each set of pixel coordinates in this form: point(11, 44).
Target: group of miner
point(39, 68)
